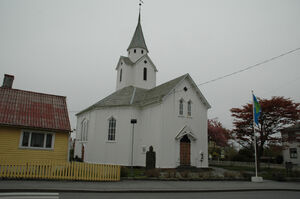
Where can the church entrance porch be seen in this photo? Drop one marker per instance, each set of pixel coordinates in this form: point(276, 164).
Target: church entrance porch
point(185, 151)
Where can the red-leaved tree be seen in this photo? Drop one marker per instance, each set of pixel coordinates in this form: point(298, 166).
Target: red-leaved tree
point(276, 114)
point(217, 133)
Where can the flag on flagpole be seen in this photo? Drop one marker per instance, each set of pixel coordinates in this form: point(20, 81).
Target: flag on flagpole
point(257, 109)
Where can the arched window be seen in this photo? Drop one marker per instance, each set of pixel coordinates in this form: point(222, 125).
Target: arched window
point(145, 74)
point(111, 129)
point(181, 107)
point(142, 51)
point(134, 50)
point(121, 75)
point(189, 108)
point(84, 130)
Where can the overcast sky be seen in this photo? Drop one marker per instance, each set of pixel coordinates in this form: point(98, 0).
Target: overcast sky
point(71, 47)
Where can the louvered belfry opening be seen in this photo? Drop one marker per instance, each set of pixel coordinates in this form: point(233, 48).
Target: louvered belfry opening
point(185, 151)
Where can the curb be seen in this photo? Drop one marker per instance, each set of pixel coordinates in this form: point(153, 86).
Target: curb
point(145, 190)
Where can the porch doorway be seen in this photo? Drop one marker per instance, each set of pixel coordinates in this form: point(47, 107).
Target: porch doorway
point(185, 151)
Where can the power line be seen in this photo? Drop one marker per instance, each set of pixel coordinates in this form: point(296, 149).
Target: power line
point(249, 67)
point(245, 69)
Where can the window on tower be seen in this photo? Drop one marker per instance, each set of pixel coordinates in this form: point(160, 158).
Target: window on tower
point(121, 75)
point(134, 50)
point(145, 74)
point(142, 51)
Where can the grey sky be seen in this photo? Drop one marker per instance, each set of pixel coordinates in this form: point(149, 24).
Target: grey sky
point(71, 47)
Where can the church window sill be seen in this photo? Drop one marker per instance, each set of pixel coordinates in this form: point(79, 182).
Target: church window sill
point(111, 141)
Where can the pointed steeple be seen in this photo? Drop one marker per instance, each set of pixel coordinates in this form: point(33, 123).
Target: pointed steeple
point(138, 40)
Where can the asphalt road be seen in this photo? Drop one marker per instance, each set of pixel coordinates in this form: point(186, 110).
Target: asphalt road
point(204, 195)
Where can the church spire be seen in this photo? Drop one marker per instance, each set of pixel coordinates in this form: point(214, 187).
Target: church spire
point(138, 40)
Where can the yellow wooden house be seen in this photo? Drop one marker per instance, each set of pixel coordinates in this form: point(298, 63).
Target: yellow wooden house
point(33, 126)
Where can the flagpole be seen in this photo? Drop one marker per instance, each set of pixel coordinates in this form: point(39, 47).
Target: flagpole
point(255, 150)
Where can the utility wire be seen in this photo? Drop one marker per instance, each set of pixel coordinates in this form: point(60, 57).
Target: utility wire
point(242, 70)
point(249, 67)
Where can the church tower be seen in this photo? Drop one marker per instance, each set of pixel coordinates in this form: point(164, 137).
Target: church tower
point(137, 47)
point(137, 69)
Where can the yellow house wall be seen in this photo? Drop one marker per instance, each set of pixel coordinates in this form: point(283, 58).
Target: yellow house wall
point(10, 142)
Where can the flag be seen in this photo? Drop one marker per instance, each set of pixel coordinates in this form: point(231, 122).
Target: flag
point(257, 109)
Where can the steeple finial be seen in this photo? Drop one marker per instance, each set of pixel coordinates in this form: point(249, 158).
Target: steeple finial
point(138, 40)
point(140, 8)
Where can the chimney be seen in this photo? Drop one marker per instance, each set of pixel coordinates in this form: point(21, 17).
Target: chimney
point(8, 81)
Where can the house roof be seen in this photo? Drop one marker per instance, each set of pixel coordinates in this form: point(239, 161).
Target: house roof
point(28, 109)
point(132, 96)
point(138, 40)
point(295, 127)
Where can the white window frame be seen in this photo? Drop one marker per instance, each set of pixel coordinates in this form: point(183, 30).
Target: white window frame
point(189, 108)
point(294, 154)
point(181, 107)
point(111, 131)
point(29, 140)
point(84, 130)
point(121, 74)
point(145, 73)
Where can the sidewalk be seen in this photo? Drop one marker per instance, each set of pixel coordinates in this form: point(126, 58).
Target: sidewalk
point(143, 186)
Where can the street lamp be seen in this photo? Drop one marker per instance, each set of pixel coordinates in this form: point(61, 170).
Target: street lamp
point(132, 121)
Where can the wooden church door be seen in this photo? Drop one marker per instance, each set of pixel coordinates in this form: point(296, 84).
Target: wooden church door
point(185, 151)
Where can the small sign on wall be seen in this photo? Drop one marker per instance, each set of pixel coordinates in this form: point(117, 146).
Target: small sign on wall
point(144, 149)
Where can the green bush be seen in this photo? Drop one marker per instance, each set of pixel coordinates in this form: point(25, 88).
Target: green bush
point(184, 174)
point(279, 159)
point(279, 176)
point(152, 173)
point(124, 172)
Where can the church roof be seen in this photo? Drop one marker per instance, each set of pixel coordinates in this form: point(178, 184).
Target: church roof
point(132, 96)
point(127, 60)
point(295, 127)
point(138, 40)
point(130, 63)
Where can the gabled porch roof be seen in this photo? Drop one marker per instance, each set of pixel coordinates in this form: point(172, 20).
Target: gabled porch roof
point(186, 130)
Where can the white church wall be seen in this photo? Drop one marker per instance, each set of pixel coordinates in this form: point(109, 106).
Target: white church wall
point(148, 133)
point(78, 143)
point(173, 123)
point(127, 76)
point(157, 125)
point(101, 150)
point(134, 56)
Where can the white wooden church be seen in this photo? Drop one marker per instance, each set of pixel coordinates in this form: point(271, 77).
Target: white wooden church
point(171, 117)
